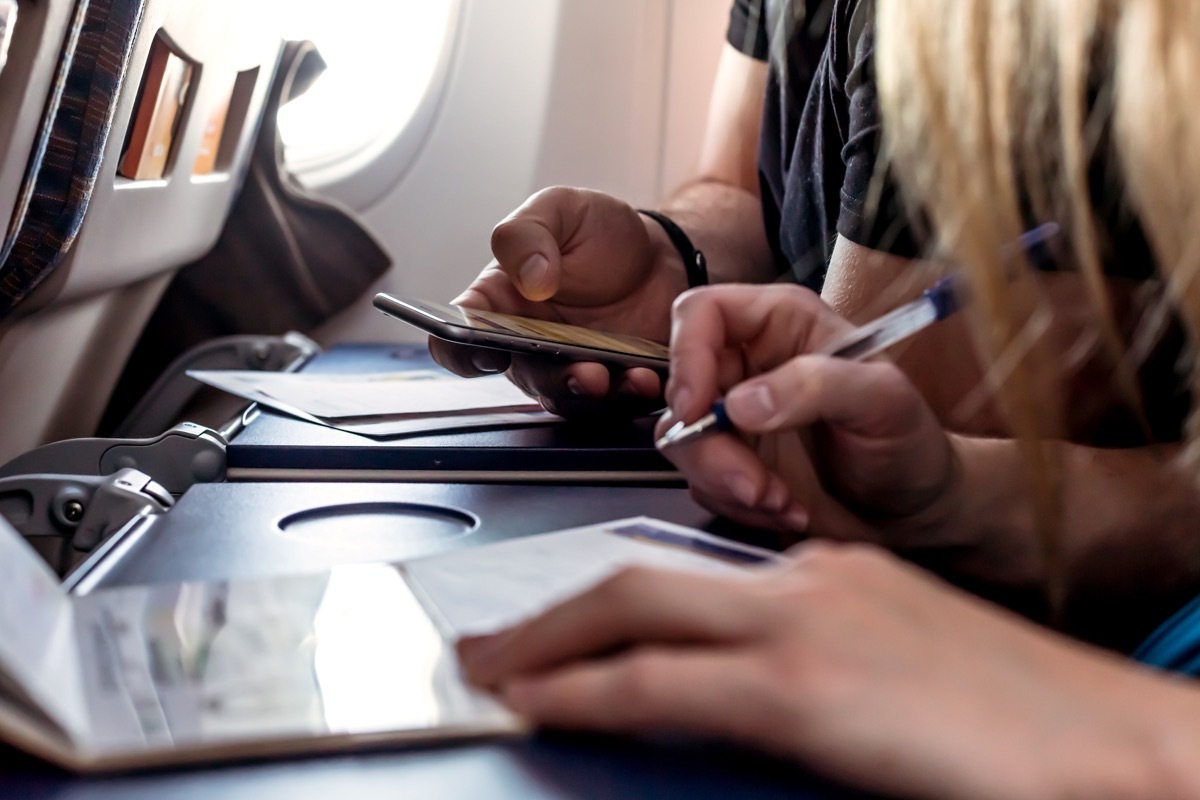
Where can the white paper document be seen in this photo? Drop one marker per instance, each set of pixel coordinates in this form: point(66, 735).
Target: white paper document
point(484, 589)
point(387, 403)
point(355, 657)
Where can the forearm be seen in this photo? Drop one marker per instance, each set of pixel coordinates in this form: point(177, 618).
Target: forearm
point(1126, 550)
point(944, 364)
point(725, 222)
point(1168, 734)
point(720, 208)
point(1129, 731)
point(1115, 729)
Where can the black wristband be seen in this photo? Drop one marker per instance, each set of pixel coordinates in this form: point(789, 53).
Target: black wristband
point(694, 263)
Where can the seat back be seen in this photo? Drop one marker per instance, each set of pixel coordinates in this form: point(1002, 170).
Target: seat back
point(90, 250)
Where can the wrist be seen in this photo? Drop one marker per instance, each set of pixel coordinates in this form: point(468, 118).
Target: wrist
point(674, 248)
point(1143, 744)
point(982, 527)
point(664, 280)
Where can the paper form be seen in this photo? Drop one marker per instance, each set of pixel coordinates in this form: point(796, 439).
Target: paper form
point(484, 589)
point(385, 404)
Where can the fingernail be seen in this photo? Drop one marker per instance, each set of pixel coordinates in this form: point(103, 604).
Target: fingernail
point(489, 361)
point(752, 405)
point(575, 387)
point(742, 489)
point(797, 519)
point(680, 401)
point(533, 272)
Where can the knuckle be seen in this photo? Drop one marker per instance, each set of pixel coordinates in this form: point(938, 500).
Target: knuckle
point(550, 196)
point(838, 560)
point(808, 377)
point(506, 231)
point(632, 576)
point(549, 193)
point(793, 293)
point(692, 299)
point(802, 593)
point(622, 584)
point(557, 200)
point(642, 682)
point(817, 555)
point(786, 297)
point(821, 683)
point(808, 297)
point(866, 561)
point(717, 504)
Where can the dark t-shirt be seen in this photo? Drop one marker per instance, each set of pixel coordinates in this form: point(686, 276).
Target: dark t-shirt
point(820, 136)
point(820, 170)
point(819, 153)
point(792, 36)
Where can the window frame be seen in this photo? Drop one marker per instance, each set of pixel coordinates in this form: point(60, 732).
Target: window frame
point(361, 175)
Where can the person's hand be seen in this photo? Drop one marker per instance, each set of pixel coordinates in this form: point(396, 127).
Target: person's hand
point(582, 258)
point(838, 448)
point(861, 667)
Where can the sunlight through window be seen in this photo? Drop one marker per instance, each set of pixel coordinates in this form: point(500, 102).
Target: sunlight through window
point(382, 56)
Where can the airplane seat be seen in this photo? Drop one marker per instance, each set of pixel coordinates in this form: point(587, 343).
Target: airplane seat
point(126, 127)
point(288, 260)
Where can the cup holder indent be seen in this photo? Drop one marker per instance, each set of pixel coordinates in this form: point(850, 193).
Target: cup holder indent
point(383, 527)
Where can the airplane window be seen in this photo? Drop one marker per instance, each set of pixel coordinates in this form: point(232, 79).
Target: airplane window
point(383, 56)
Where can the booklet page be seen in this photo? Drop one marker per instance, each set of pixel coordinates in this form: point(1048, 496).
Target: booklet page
point(37, 644)
point(234, 664)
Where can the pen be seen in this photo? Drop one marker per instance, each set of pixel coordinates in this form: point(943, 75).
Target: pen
point(937, 303)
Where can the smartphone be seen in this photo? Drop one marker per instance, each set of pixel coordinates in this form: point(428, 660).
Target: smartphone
point(525, 335)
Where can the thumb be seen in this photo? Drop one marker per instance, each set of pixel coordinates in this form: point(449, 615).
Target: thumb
point(528, 244)
point(870, 398)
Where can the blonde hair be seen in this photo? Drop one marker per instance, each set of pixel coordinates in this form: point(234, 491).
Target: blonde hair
point(992, 110)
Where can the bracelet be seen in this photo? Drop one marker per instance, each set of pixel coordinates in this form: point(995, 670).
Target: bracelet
point(694, 263)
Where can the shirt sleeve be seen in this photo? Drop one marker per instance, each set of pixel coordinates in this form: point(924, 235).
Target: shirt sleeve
point(747, 31)
point(871, 212)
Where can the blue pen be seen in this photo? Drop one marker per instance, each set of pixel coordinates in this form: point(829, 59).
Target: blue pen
point(936, 304)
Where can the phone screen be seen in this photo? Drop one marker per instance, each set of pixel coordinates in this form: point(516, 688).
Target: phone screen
point(540, 329)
